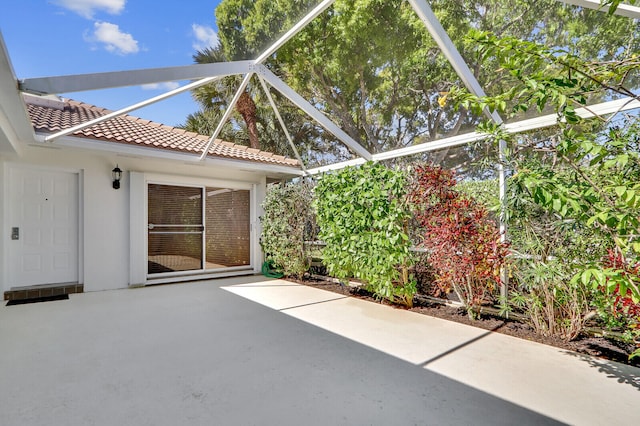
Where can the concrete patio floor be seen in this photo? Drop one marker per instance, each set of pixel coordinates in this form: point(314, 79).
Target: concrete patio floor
point(197, 354)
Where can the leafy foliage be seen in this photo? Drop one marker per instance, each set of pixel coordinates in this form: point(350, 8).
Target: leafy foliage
point(463, 242)
point(372, 67)
point(288, 221)
point(574, 195)
point(618, 309)
point(623, 303)
point(363, 219)
point(581, 182)
point(613, 4)
point(540, 76)
point(553, 304)
point(486, 192)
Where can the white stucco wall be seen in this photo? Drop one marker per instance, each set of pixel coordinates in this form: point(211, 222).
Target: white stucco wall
point(4, 230)
point(104, 247)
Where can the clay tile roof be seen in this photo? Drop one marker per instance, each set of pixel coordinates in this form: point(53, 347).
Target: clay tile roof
point(127, 129)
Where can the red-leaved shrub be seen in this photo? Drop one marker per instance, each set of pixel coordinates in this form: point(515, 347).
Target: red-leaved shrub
point(462, 240)
point(623, 304)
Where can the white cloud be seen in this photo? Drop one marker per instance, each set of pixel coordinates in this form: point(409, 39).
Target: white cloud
point(205, 37)
point(114, 39)
point(169, 85)
point(87, 8)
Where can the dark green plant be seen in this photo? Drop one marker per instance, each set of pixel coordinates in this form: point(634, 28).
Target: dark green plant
point(553, 304)
point(486, 192)
point(363, 219)
point(586, 176)
point(288, 221)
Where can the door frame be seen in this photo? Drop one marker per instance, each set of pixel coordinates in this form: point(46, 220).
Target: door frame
point(138, 215)
point(7, 167)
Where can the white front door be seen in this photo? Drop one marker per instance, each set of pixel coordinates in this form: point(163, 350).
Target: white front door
point(43, 221)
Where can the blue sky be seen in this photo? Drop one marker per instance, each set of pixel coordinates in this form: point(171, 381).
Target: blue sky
point(62, 37)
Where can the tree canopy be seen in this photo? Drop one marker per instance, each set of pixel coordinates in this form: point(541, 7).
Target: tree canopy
point(373, 68)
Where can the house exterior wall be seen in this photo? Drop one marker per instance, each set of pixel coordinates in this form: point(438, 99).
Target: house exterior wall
point(106, 245)
point(5, 232)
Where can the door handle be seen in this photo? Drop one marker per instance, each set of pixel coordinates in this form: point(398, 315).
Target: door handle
point(15, 233)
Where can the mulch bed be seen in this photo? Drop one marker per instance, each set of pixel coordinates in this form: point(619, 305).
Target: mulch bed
point(601, 347)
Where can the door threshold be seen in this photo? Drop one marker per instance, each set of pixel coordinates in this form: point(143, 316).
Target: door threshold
point(45, 290)
point(37, 300)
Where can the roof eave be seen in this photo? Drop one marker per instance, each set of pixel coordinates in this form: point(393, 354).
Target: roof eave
point(271, 170)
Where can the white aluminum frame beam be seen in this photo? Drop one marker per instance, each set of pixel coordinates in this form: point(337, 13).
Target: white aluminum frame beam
point(321, 7)
point(214, 71)
point(450, 51)
point(122, 111)
point(83, 82)
point(227, 114)
point(591, 111)
point(442, 39)
point(282, 124)
point(304, 105)
point(623, 9)
point(107, 80)
point(263, 57)
point(336, 166)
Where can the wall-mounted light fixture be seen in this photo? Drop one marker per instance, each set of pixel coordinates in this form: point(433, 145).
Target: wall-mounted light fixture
point(117, 175)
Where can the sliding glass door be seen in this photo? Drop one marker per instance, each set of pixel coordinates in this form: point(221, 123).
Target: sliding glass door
point(187, 234)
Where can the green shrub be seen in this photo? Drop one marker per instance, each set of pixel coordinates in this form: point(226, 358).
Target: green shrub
point(554, 305)
point(486, 192)
point(287, 222)
point(363, 219)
